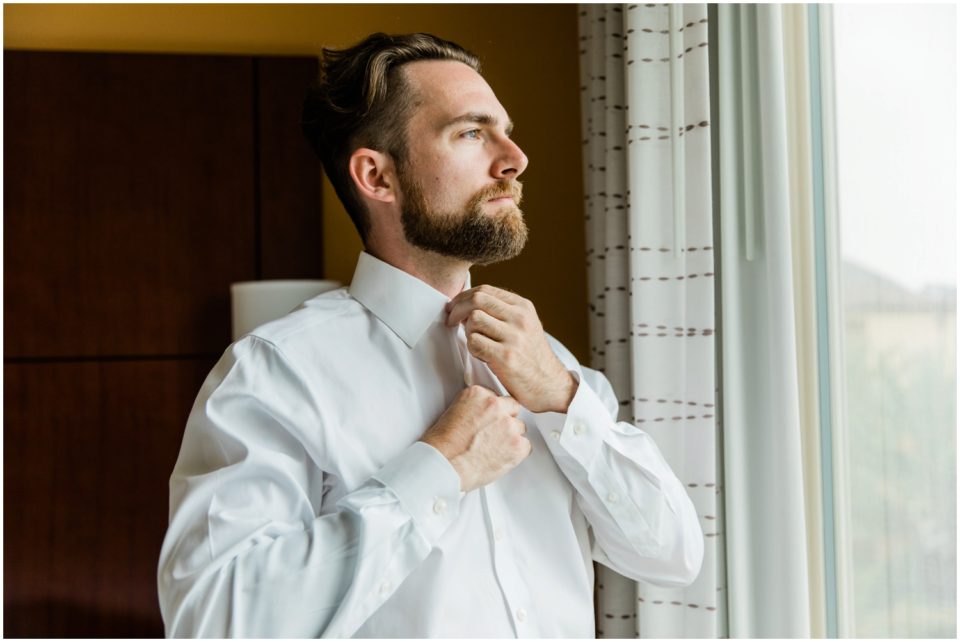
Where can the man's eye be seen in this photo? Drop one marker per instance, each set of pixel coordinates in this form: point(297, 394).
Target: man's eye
point(473, 134)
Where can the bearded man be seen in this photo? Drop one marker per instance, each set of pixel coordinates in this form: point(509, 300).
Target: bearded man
point(412, 456)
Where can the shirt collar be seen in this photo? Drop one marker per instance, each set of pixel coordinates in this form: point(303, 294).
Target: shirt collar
point(403, 302)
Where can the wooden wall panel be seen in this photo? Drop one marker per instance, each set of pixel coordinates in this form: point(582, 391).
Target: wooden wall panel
point(290, 223)
point(91, 446)
point(128, 201)
point(137, 188)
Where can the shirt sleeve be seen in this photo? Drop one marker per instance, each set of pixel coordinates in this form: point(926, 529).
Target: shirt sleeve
point(645, 526)
point(247, 552)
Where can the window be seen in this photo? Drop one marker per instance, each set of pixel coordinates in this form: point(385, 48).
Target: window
point(895, 98)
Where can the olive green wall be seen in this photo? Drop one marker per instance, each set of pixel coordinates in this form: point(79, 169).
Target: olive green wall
point(530, 58)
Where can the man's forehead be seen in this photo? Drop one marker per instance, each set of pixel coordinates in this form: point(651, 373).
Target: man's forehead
point(422, 72)
point(451, 92)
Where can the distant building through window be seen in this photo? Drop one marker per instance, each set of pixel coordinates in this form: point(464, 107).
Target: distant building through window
point(896, 90)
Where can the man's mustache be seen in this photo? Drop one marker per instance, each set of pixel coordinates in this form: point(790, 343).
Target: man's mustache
point(513, 189)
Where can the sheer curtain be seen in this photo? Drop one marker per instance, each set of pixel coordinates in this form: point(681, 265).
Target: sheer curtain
point(646, 108)
point(763, 456)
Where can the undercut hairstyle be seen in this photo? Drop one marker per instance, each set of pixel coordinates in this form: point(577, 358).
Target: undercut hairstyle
point(362, 99)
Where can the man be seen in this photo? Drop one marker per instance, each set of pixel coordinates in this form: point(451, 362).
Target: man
point(412, 456)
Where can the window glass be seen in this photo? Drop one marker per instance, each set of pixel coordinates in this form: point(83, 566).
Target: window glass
point(896, 88)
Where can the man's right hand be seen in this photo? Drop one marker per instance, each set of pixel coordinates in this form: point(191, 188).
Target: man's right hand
point(481, 436)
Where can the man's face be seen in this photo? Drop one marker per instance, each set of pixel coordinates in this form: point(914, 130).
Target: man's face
point(458, 182)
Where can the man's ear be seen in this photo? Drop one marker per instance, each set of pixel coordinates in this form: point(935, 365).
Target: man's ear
point(373, 174)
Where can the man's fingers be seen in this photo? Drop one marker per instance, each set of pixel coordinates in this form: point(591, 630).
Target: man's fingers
point(504, 295)
point(481, 346)
point(494, 301)
point(481, 322)
point(461, 306)
point(513, 407)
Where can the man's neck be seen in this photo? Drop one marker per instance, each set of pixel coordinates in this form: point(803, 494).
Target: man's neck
point(442, 273)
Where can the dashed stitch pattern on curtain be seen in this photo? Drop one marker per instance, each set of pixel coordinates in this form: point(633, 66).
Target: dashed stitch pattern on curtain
point(649, 228)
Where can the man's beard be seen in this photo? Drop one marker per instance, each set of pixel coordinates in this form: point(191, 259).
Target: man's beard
point(471, 235)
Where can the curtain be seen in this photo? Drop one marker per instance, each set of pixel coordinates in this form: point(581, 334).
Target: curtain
point(650, 260)
point(763, 454)
point(800, 135)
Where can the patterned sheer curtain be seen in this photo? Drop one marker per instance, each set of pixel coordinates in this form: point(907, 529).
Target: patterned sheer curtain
point(646, 109)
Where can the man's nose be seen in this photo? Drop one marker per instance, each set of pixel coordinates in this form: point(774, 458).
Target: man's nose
point(510, 162)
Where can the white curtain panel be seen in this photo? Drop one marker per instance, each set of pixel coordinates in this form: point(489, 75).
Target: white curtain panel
point(645, 105)
point(763, 475)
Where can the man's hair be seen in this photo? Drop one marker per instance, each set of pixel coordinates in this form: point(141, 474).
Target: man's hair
point(361, 99)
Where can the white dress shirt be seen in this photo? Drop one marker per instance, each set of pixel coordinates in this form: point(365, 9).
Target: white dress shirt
point(303, 505)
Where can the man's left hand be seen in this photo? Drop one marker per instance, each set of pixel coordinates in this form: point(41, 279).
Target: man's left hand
point(504, 332)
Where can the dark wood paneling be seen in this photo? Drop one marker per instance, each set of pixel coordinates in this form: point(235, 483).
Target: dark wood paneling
point(128, 201)
point(137, 188)
point(291, 226)
point(88, 451)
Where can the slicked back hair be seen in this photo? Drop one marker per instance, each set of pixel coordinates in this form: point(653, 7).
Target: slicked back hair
point(361, 99)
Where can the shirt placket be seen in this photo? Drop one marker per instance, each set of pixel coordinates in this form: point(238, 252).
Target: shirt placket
point(515, 591)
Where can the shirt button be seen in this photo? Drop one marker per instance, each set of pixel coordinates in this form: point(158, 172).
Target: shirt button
point(439, 506)
point(521, 615)
point(612, 498)
point(578, 429)
point(555, 434)
point(498, 534)
point(385, 588)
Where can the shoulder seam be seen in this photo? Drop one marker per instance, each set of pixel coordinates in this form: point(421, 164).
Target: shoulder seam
point(282, 336)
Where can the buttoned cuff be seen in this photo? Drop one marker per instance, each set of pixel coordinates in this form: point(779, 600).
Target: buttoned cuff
point(427, 486)
point(576, 441)
point(579, 433)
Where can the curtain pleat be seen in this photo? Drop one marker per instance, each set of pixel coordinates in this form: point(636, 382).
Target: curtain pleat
point(766, 533)
point(799, 133)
